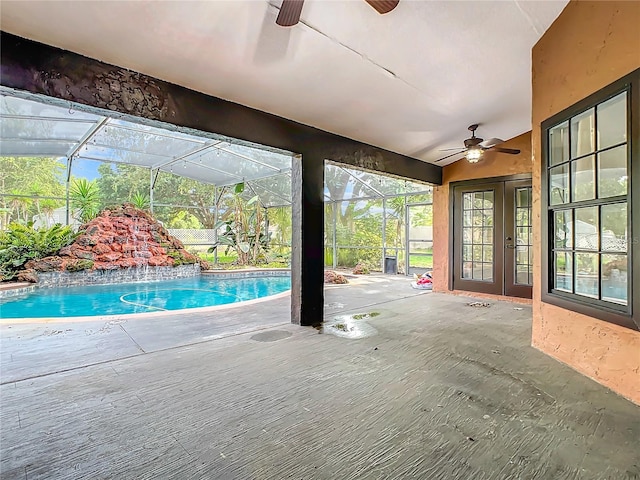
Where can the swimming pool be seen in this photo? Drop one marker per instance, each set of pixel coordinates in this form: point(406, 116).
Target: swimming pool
point(142, 297)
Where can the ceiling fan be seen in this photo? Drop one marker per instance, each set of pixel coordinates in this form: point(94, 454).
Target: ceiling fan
point(476, 146)
point(291, 9)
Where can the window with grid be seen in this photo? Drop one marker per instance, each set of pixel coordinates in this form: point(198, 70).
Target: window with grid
point(587, 161)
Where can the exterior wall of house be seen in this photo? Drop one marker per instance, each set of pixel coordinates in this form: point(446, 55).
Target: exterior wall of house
point(590, 45)
point(492, 165)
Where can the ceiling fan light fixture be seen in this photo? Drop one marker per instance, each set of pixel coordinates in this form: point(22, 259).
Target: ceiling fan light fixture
point(474, 155)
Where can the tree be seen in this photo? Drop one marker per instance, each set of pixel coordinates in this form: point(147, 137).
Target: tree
point(120, 183)
point(41, 177)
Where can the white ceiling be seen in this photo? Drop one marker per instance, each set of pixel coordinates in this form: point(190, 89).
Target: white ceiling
point(453, 63)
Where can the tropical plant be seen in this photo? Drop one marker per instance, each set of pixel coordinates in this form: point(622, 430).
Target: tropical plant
point(140, 200)
point(85, 198)
point(21, 243)
point(243, 229)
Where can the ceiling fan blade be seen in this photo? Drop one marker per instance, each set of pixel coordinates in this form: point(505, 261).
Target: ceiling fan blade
point(289, 13)
point(510, 151)
point(449, 149)
point(492, 142)
point(452, 155)
point(383, 6)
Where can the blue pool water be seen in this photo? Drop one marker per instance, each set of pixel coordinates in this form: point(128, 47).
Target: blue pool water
point(122, 298)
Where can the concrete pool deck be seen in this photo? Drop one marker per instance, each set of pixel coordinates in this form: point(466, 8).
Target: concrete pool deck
point(441, 390)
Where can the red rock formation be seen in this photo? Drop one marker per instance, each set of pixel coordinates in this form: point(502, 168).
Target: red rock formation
point(123, 237)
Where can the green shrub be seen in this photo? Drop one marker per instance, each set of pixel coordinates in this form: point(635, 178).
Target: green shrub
point(79, 265)
point(21, 243)
point(180, 259)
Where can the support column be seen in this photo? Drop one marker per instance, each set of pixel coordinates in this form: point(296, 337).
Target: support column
point(334, 213)
point(384, 232)
point(152, 184)
point(216, 214)
point(68, 190)
point(307, 242)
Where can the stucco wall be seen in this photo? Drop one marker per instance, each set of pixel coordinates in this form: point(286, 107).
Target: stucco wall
point(492, 165)
point(590, 45)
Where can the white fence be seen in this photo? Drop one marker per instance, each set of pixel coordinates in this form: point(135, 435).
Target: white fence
point(194, 236)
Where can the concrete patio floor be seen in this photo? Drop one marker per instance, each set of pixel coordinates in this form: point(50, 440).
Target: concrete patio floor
point(439, 390)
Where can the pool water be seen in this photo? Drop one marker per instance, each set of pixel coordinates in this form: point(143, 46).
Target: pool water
point(203, 291)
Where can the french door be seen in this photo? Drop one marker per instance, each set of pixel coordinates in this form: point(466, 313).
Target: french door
point(491, 237)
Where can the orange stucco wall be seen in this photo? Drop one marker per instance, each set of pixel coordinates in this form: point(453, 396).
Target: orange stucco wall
point(492, 165)
point(590, 45)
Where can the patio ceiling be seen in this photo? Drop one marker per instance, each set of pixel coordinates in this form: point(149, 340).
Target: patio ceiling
point(410, 81)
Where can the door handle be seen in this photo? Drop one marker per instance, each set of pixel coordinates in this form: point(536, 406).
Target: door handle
point(509, 245)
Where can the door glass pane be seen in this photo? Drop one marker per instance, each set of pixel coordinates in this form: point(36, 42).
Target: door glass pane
point(487, 217)
point(523, 216)
point(583, 179)
point(477, 217)
point(488, 199)
point(586, 226)
point(467, 235)
point(523, 197)
point(559, 144)
point(559, 185)
point(467, 269)
point(478, 200)
point(582, 133)
point(522, 235)
point(523, 265)
point(612, 121)
point(467, 217)
point(523, 250)
point(614, 278)
point(522, 277)
point(586, 269)
point(612, 172)
point(477, 235)
point(614, 227)
point(467, 201)
point(563, 265)
point(487, 272)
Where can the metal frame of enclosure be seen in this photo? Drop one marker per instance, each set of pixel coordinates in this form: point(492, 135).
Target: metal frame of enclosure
point(82, 141)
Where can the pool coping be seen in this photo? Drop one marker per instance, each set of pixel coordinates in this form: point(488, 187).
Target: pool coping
point(245, 273)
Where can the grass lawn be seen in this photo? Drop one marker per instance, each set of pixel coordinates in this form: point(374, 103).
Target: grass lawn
point(421, 260)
